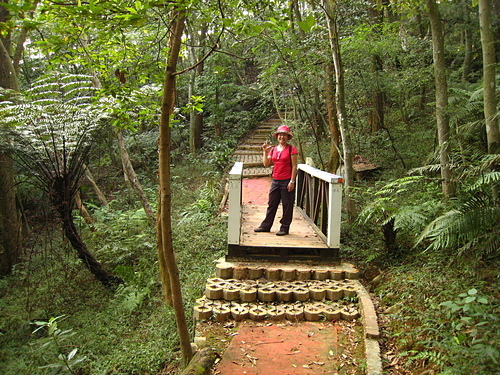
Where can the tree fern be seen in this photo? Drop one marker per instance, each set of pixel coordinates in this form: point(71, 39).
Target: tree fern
point(389, 202)
point(51, 137)
point(52, 140)
point(53, 130)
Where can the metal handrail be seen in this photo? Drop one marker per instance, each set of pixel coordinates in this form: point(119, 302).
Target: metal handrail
point(234, 220)
point(319, 198)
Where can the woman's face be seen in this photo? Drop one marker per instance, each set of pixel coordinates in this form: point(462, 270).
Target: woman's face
point(282, 138)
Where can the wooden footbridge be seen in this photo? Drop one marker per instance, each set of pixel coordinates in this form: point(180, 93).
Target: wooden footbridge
point(315, 230)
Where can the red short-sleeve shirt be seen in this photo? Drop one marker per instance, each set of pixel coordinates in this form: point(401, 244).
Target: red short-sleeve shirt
point(282, 161)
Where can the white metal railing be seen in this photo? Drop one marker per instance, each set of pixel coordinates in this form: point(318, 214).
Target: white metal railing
point(319, 199)
point(234, 219)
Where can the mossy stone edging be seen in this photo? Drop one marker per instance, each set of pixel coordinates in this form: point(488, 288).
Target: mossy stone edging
point(371, 331)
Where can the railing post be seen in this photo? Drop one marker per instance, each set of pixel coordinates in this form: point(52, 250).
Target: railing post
point(234, 219)
point(334, 219)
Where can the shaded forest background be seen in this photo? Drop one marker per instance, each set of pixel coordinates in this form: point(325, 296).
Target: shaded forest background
point(82, 287)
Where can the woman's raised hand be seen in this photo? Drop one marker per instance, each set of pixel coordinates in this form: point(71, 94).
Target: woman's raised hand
point(266, 147)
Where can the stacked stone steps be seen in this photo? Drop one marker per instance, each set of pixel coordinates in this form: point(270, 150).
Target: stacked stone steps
point(278, 292)
point(250, 150)
point(284, 271)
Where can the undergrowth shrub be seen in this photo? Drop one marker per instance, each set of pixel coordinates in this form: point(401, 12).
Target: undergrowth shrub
point(449, 327)
point(399, 208)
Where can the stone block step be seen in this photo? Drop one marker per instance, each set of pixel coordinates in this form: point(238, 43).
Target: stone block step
point(284, 271)
point(265, 290)
point(220, 311)
point(279, 292)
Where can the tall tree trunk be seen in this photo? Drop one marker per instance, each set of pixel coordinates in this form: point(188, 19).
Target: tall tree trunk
point(165, 193)
point(334, 159)
point(296, 17)
point(132, 177)
point(10, 225)
point(162, 260)
point(489, 79)
point(99, 193)
point(376, 116)
point(196, 118)
point(200, 69)
point(8, 77)
point(23, 35)
point(489, 82)
point(467, 42)
point(330, 9)
point(442, 117)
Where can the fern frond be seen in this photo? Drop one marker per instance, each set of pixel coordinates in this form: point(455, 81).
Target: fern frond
point(426, 169)
point(411, 218)
point(487, 243)
point(490, 161)
point(487, 179)
point(460, 228)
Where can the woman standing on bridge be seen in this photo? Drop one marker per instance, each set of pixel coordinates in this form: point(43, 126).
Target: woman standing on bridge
point(284, 158)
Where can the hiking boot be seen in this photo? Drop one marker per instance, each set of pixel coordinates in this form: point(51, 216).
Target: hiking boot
point(260, 229)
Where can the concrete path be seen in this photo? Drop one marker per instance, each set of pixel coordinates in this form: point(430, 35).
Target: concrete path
point(292, 349)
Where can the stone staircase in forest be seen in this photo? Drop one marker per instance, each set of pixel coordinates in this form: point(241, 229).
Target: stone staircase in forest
point(249, 152)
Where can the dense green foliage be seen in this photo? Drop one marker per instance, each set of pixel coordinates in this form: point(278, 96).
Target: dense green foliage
point(130, 331)
point(431, 263)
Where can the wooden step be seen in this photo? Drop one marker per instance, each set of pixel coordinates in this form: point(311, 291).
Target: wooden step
point(250, 147)
point(246, 152)
point(257, 172)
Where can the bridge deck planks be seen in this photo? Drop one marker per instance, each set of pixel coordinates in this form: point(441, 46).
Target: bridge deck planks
point(302, 235)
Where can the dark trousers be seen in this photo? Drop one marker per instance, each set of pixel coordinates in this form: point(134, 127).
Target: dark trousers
point(279, 193)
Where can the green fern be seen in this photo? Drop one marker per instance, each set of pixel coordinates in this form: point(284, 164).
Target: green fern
point(473, 225)
point(431, 356)
point(54, 126)
point(389, 203)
